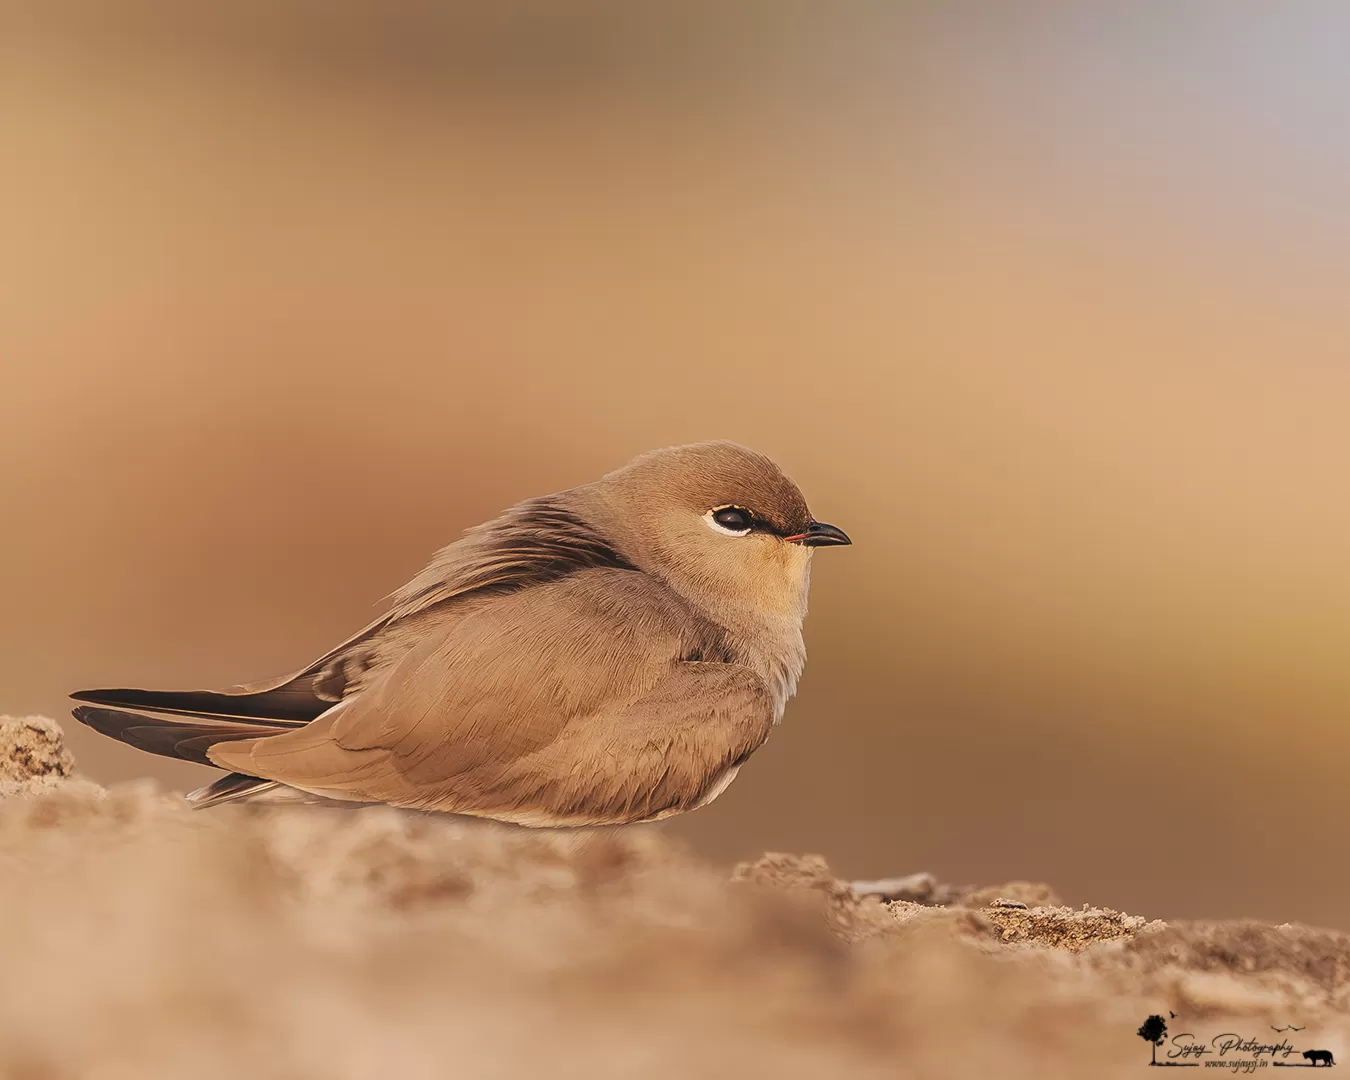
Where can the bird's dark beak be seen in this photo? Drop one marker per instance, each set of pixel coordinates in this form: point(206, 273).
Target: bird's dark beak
point(818, 534)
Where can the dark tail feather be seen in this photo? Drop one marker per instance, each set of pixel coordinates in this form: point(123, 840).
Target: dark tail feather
point(189, 739)
point(291, 705)
point(228, 788)
point(174, 736)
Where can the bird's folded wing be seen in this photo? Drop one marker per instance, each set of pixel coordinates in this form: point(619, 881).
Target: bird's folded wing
point(537, 541)
point(566, 703)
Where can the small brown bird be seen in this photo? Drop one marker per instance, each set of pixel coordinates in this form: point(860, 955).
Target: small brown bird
point(606, 655)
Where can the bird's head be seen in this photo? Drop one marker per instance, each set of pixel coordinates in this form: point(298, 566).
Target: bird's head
point(723, 525)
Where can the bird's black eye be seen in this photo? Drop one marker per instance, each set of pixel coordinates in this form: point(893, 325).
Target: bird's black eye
point(733, 519)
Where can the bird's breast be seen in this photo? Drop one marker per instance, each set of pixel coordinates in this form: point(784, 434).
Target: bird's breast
point(776, 652)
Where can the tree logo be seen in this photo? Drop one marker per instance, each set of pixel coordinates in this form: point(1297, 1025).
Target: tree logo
point(1153, 1031)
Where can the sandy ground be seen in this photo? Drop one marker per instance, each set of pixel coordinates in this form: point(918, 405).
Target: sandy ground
point(143, 940)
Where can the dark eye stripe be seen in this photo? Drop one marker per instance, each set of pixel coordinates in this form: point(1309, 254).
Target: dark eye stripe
point(738, 519)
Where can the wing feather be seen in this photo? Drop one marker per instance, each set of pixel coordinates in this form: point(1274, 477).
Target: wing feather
point(565, 704)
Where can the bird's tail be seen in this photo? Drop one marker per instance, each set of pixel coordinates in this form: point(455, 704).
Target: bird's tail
point(232, 787)
point(178, 736)
point(187, 724)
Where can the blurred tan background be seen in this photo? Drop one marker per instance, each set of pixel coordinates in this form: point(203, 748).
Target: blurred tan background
point(1044, 303)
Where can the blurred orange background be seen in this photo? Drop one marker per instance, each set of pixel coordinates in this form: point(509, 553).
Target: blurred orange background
point(1044, 303)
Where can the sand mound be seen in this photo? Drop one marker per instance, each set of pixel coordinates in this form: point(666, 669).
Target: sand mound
point(141, 939)
point(32, 755)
